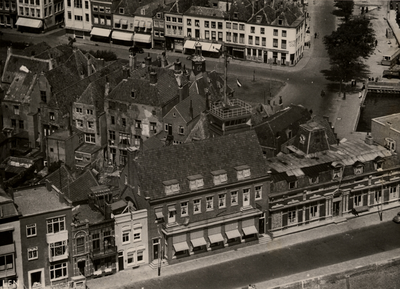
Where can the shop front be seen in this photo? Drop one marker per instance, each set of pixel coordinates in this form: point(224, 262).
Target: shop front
point(29, 25)
point(100, 34)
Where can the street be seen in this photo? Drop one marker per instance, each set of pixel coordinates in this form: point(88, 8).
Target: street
point(290, 260)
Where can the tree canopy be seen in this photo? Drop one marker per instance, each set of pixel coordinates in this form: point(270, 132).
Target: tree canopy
point(353, 41)
point(345, 9)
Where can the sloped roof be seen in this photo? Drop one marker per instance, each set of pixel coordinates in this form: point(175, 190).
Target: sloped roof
point(211, 83)
point(20, 87)
point(7, 206)
point(85, 212)
point(60, 178)
point(58, 54)
point(205, 11)
point(130, 6)
point(222, 153)
point(198, 104)
point(35, 49)
point(242, 9)
point(78, 190)
point(290, 14)
point(149, 9)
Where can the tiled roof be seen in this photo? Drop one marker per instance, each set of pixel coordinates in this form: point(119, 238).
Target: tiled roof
point(78, 190)
point(332, 139)
point(60, 178)
point(152, 143)
point(20, 87)
point(35, 49)
point(7, 206)
point(289, 13)
point(198, 158)
point(211, 83)
point(130, 6)
point(205, 11)
point(242, 9)
point(15, 62)
point(58, 54)
point(149, 9)
point(292, 116)
point(37, 199)
point(198, 104)
point(85, 212)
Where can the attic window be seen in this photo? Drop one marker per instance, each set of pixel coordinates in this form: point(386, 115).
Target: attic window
point(378, 163)
point(235, 15)
point(158, 15)
point(219, 177)
point(142, 11)
point(121, 10)
point(243, 172)
point(196, 182)
point(258, 19)
point(280, 22)
point(171, 187)
point(132, 93)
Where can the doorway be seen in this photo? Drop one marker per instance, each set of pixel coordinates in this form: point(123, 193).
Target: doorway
point(120, 261)
point(81, 267)
point(336, 208)
point(261, 224)
point(156, 246)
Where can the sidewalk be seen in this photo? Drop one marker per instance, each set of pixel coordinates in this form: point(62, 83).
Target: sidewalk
point(124, 278)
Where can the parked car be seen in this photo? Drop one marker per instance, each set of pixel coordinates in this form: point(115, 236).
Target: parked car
point(135, 49)
point(396, 218)
point(391, 74)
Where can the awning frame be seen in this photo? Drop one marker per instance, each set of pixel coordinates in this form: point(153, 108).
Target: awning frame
point(250, 230)
point(215, 238)
point(233, 234)
point(29, 22)
point(198, 242)
point(181, 246)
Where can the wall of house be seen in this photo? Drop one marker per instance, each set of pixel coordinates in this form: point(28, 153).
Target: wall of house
point(77, 231)
point(380, 131)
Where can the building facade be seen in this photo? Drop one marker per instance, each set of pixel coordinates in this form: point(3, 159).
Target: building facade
point(78, 18)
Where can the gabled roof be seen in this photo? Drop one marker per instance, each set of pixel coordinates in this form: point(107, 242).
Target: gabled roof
point(130, 6)
point(60, 178)
point(198, 158)
point(35, 49)
point(242, 9)
point(205, 11)
point(211, 83)
point(78, 190)
point(58, 54)
point(290, 14)
point(149, 9)
point(198, 104)
point(20, 87)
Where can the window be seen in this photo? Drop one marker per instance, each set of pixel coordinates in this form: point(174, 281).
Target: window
point(357, 201)
point(220, 179)
point(137, 233)
point(228, 25)
point(283, 44)
point(78, 3)
point(32, 253)
point(168, 18)
point(283, 33)
point(257, 40)
point(138, 123)
point(258, 192)
point(139, 256)
point(129, 256)
point(55, 225)
point(52, 115)
point(337, 174)
point(197, 23)
point(31, 230)
point(213, 24)
point(313, 180)
point(58, 271)
point(241, 38)
point(21, 124)
point(189, 22)
point(108, 10)
point(378, 196)
point(69, 3)
point(111, 136)
point(264, 41)
point(195, 184)
point(262, 30)
point(206, 34)
point(173, 19)
point(184, 209)
point(90, 124)
point(90, 138)
point(96, 241)
point(80, 245)
point(228, 36)
point(79, 110)
point(235, 37)
point(275, 42)
point(174, 188)
point(219, 25)
point(293, 185)
point(96, 8)
point(235, 26)
point(78, 18)
point(313, 211)
point(222, 201)
point(207, 24)
point(112, 119)
point(292, 217)
point(243, 173)
point(6, 262)
point(126, 236)
point(250, 39)
point(50, 12)
point(79, 123)
point(16, 109)
point(86, 4)
point(213, 35)
point(87, 17)
point(89, 111)
point(123, 122)
point(101, 8)
point(358, 170)
point(234, 198)
point(124, 138)
point(58, 248)
point(189, 32)
point(171, 214)
point(392, 192)
point(196, 206)
point(252, 29)
point(235, 15)
point(220, 36)
point(275, 32)
point(209, 203)
point(13, 122)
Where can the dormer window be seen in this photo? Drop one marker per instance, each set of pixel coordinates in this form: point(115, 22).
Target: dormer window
point(378, 163)
point(292, 185)
point(358, 168)
point(258, 19)
point(243, 172)
point(121, 11)
point(159, 215)
point(219, 177)
point(390, 144)
point(235, 15)
point(313, 180)
point(142, 11)
point(196, 182)
point(337, 171)
point(158, 15)
point(280, 22)
point(171, 187)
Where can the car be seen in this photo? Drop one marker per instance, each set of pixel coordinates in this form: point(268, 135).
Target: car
point(390, 74)
point(396, 218)
point(135, 49)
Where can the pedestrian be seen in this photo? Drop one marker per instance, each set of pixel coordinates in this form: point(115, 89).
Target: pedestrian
point(363, 87)
point(376, 42)
point(315, 35)
point(354, 212)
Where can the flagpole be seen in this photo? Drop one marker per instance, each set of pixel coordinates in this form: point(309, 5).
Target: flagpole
point(226, 74)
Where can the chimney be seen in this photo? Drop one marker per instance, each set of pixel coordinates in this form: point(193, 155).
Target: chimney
point(191, 109)
point(147, 60)
point(153, 78)
point(132, 62)
point(164, 61)
point(125, 72)
point(107, 211)
point(368, 139)
point(177, 66)
point(107, 87)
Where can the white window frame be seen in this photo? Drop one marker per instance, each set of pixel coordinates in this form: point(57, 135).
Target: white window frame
point(234, 198)
point(313, 212)
point(137, 233)
point(56, 246)
point(222, 200)
point(246, 193)
point(258, 192)
point(29, 229)
point(79, 110)
point(292, 217)
point(33, 253)
point(126, 236)
point(393, 192)
point(63, 267)
point(359, 170)
point(53, 221)
point(171, 216)
point(209, 203)
point(184, 209)
point(197, 204)
point(357, 201)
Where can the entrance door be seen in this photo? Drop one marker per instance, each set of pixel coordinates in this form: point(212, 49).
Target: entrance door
point(121, 261)
point(336, 208)
point(156, 246)
point(261, 223)
point(36, 279)
point(81, 267)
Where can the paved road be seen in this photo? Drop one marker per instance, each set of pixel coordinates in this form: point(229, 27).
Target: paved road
point(290, 260)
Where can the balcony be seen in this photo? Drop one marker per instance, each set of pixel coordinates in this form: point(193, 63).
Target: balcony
point(59, 257)
point(103, 252)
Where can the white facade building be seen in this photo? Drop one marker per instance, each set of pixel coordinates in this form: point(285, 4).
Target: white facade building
point(78, 18)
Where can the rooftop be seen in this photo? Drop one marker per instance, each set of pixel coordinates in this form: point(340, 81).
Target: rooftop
point(392, 120)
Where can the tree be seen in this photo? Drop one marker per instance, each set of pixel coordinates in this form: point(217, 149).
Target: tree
point(345, 9)
point(352, 42)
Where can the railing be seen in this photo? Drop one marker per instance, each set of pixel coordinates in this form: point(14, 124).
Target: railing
point(102, 252)
point(235, 107)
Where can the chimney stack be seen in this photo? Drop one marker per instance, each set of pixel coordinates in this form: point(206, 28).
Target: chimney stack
point(177, 66)
point(132, 62)
point(107, 87)
point(48, 186)
point(125, 72)
point(153, 78)
point(147, 60)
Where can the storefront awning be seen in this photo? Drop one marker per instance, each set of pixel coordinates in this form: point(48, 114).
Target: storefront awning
point(27, 22)
point(182, 246)
point(198, 242)
point(215, 47)
point(216, 238)
point(96, 31)
point(205, 46)
point(125, 36)
point(189, 44)
point(142, 23)
point(142, 38)
point(233, 234)
point(250, 230)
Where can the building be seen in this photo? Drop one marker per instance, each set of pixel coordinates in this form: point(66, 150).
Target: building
point(10, 244)
point(45, 236)
point(144, 24)
point(159, 27)
point(40, 15)
point(384, 131)
point(102, 19)
point(124, 22)
point(320, 182)
point(174, 37)
point(131, 237)
point(78, 18)
point(216, 201)
point(8, 14)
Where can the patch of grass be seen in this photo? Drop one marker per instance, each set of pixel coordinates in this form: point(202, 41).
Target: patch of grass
point(256, 91)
